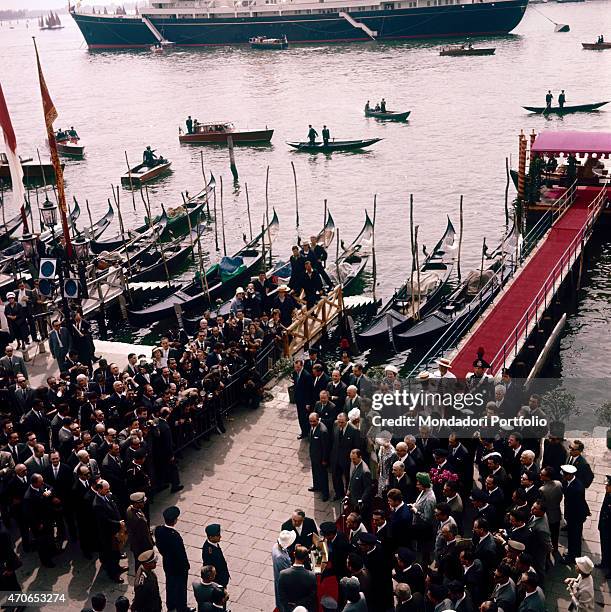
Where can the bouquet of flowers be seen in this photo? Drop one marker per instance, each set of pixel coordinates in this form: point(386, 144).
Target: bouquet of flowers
point(439, 476)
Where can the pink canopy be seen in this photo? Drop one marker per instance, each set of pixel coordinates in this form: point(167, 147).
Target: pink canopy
point(577, 143)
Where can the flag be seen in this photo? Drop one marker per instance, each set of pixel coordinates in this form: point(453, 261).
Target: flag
point(50, 114)
point(14, 163)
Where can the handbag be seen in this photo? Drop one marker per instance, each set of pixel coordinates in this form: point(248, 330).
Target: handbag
point(119, 539)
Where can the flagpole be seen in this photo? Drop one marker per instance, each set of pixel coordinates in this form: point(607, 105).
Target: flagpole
point(50, 114)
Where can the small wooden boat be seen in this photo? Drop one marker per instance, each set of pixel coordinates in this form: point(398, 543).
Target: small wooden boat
point(217, 133)
point(143, 173)
point(411, 302)
point(333, 145)
point(33, 171)
point(389, 115)
point(70, 147)
point(596, 46)
point(221, 278)
point(262, 42)
point(156, 49)
point(12, 225)
point(466, 50)
point(565, 110)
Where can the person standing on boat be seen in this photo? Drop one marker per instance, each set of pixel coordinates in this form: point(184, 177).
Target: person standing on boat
point(312, 134)
point(548, 99)
point(148, 157)
point(325, 135)
point(561, 99)
point(367, 107)
point(320, 256)
point(72, 133)
point(383, 105)
point(189, 123)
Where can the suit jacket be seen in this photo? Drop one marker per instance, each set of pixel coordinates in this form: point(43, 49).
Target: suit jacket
point(23, 399)
point(363, 385)
point(342, 445)
point(37, 465)
point(505, 596)
point(486, 550)
point(415, 604)
point(307, 529)
point(213, 555)
point(449, 562)
point(552, 494)
point(172, 548)
point(400, 523)
point(407, 488)
point(576, 509)
point(15, 365)
point(476, 582)
point(138, 530)
point(319, 385)
point(39, 424)
point(297, 587)
point(320, 445)
point(349, 404)
point(466, 605)
point(327, 413)
point(108, 518)
point(584, 471)
point(412, 576)
point(7, 467)
point(337, 393)
point(54, 344)
point(339, 550)
point(540, 543)
point(63, 483)
point(203, 593)
point(359, 486)
point(534, 602)
point(303, 388)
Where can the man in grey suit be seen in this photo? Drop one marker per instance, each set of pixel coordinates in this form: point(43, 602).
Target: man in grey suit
point(38, 462)
point(352, 399)
point(297, 585)
point(13, 364)
point(345, 438)
point(203, 589)
point(551, 494)
point(504, 593)
point(540, 544)
point(23, 395)
point(59, 344)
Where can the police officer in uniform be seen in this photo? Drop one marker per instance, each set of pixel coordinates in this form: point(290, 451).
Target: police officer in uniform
point(604, 528)
point(136, 477)
point(213, 555)
point(146, 587)
point(479, 381)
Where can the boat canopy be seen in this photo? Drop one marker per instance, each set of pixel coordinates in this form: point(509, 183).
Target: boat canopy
point(573, 142)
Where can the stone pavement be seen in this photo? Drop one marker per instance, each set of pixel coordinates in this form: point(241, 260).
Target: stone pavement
point(250, 480)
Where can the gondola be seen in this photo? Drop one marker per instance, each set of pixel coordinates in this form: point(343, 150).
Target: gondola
point(12, 224)
point(477, 290)
point(220, 279)
point(565, 110)
point(175, 226)
point(389, 115)
point(596, 46)
point(100, 226)
point(153, 265)
point(401, 310)
point(333, 145)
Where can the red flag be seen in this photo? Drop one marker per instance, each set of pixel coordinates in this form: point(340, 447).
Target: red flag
point(50, 116)
point(11, 152)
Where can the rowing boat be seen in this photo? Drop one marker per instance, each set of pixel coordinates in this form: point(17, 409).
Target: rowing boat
point(412, 301)
point(596, 46)
point(264, 43)
point(221, 278)
point(333, 145)
point(142, 173)
point(70, 147)
point(460, 50)
point(389, 115)
point(217, 133)
point(556, 110)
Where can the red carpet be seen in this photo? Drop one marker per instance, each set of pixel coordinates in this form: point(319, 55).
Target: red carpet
point(510, 309)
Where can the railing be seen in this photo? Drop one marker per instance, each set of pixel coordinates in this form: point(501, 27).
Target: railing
point(458, 328)
point(311, 323)
point(530, 320)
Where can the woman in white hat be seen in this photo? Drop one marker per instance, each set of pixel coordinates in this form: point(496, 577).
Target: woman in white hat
point(582, 587)
point(281, 558)
point(17, 321)
point(391, 378)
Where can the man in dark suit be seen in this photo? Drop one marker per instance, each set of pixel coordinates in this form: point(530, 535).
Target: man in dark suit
point(327, 410)
point(175, 561)
point(461, 600)
point(22, 395)
point(337, 390)
point(399, 480)
point(38, 462)
point(399, 520)
point(339, 549)
point(303, 526)
point(38, 511)
point(427, 444)
point(59, 343)
point(484, 545)
point(359, 493)
point(13, 364)
point(319, 455)
point(449, 560)
point(109, 523)
point(320, 380)
point(36, 421)
point(576, 511)
point(364, 386)
point(408, 571)
point(297, 585)
point(576, 458)
point(61, 478)
point(113, 470)
point(203, 589)
point(163, 445)
point(476, 579)
point(408, 601)
point(302, 384)
point(345, 438)
point(82, 496)
point(379, 569)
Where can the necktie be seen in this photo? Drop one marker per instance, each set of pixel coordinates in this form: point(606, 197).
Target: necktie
point(59, 339)
point(55, 470)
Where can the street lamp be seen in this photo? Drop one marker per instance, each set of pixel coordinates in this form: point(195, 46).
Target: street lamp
point(28, 242)
point(48, 213)
point(81, 248)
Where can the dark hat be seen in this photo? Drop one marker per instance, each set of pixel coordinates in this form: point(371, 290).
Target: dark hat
point(481, 363)
point(328, 603)
point(438, 591)
point(214, 529)
point(478, 495)
point(407, 555)
point(440, 452)
point(140, 453)
point(313, 350)
point(367, 538)
point(456, 586)
point(171, 513)
point(328, 528)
